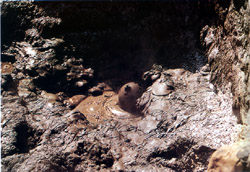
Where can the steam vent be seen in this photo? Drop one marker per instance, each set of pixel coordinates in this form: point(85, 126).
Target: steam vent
point(125, 86)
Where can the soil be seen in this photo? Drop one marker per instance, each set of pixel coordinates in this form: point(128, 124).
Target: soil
point(63, 64)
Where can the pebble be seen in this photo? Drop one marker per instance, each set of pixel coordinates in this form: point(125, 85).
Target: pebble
point(49, 96)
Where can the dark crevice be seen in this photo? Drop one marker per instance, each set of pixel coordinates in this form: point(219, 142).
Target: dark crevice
point(239, 3)
point(108, 162)
point(176, 150)
point(25, 139)
point(6, 58)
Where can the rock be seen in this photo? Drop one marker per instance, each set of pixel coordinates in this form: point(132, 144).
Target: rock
point(32, 34)
point(148, 124)
point(49, 96)
point(153, 74)
point(81, 83)
point(155, 143)
point(75, 100)
point(228, 58)
point(136, 138)
point(156, 76)
point(89, 72)
point(27, 84)
point(162, 88)
point(205, 69)
point(53, 42)
point(128, 156)
point(98, 89)
point(101, 85)
point(61, 96)
point(95, 91)
point(225, 159)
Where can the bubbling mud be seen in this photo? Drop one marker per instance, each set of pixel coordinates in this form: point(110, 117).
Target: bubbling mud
point(6, 68)
point(128, 94)
point(111, 105)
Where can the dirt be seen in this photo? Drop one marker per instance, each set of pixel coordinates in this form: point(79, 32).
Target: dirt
point(178, 131)
point(63, 68)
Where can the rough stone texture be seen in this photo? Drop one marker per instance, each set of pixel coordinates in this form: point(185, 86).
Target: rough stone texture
point(225, 159)
point(228, 53)
point(59, 50)
point(232, 157)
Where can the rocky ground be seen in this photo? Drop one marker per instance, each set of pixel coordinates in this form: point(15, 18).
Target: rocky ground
point(56, 54)
point(179, 131)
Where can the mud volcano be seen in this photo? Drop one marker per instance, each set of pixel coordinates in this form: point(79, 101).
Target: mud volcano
point(110, 105)
point(128, 95)
point(125, 86)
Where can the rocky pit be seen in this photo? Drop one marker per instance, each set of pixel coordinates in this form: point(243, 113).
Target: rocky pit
point(63, 64)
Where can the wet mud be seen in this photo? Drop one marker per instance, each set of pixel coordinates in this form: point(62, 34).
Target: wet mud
point(108, 88)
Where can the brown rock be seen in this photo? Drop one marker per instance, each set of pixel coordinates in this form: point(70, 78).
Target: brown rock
point(75, 100)
point(225, 160)
point(95, 91)
point(81, 83)
point(49, 96)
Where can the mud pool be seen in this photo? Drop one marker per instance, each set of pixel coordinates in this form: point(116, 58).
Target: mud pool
point(67, 99)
